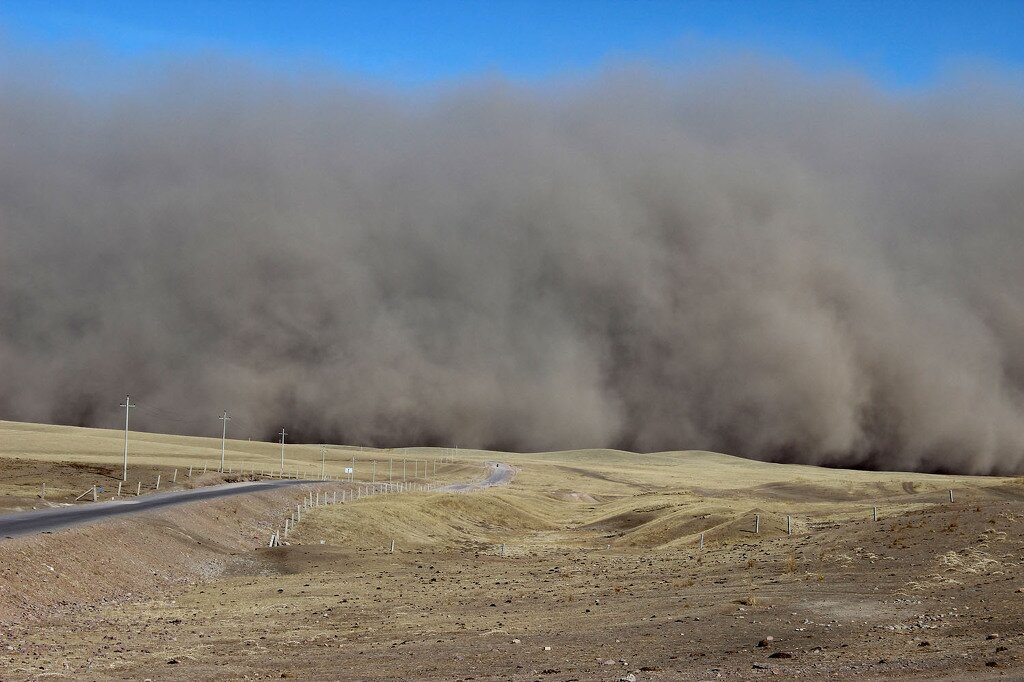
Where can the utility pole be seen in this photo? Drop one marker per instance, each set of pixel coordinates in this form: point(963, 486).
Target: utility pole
point(223, 436)
point(283, 434)
point(323, 462)
point(127, 406)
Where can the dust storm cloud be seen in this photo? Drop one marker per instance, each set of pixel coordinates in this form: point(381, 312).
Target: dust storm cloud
point(746, 259)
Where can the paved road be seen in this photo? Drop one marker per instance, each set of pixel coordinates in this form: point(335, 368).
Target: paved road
point(500, 474)
point(42, 520)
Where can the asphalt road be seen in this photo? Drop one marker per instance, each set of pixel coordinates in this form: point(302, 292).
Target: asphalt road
point(500, 474)
point(43, 520)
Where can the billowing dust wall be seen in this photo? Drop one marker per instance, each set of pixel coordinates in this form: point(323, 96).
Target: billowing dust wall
point(744, 259)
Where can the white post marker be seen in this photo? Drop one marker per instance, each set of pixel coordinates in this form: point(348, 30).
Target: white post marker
point(138, 491)
point(950, 494)
point(43, 496)
point(94, 493)
point(392, 546)
point(175, 479)
point(190, 472)
point(118, 489)
point(874, 513)
point(702, 540)
point(789, 524)
point(757, 523)
point(127, 406)
point(158, 481)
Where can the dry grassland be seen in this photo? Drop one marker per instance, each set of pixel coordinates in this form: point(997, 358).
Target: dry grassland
point(585, 567)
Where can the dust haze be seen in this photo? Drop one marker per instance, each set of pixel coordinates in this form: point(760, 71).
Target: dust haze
point(743, 258)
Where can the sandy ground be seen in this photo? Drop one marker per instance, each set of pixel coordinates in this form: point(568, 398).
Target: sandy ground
point(586, 567)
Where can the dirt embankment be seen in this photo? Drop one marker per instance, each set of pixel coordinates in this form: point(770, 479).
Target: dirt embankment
point(127, 559)
point(123, 560)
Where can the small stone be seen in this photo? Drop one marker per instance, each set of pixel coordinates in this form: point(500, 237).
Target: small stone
point(515, 641)
point(781, 654)
point(993, 635)
point(766, 641)
point(609, 662)
point(547, 648)
point(628, 678)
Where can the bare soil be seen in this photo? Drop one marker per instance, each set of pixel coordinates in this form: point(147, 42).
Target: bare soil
point(590, 574)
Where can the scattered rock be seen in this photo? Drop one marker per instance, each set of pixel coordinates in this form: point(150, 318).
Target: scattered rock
point(547, 648)
point(767, 641)
point(628, 678)
point(781, 654)
point(993, 635)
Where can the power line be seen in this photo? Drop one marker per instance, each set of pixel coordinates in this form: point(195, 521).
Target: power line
point(223, 437)
point(127, 406)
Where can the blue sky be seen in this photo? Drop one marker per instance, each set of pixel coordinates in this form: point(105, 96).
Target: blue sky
point(900, 44)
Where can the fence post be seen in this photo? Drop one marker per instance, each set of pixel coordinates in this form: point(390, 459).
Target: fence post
point(702, 540)
point(874, 513)
point(392, 546)
point(175, 478)
point(950, 494)
point(190, 471)
point(94, 493)
point(757, 523)
point(158, 481)
point(138, 491)
point(789, 524)
point(118, 488)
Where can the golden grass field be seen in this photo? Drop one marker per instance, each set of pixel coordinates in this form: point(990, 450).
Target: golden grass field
point(587, 566)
